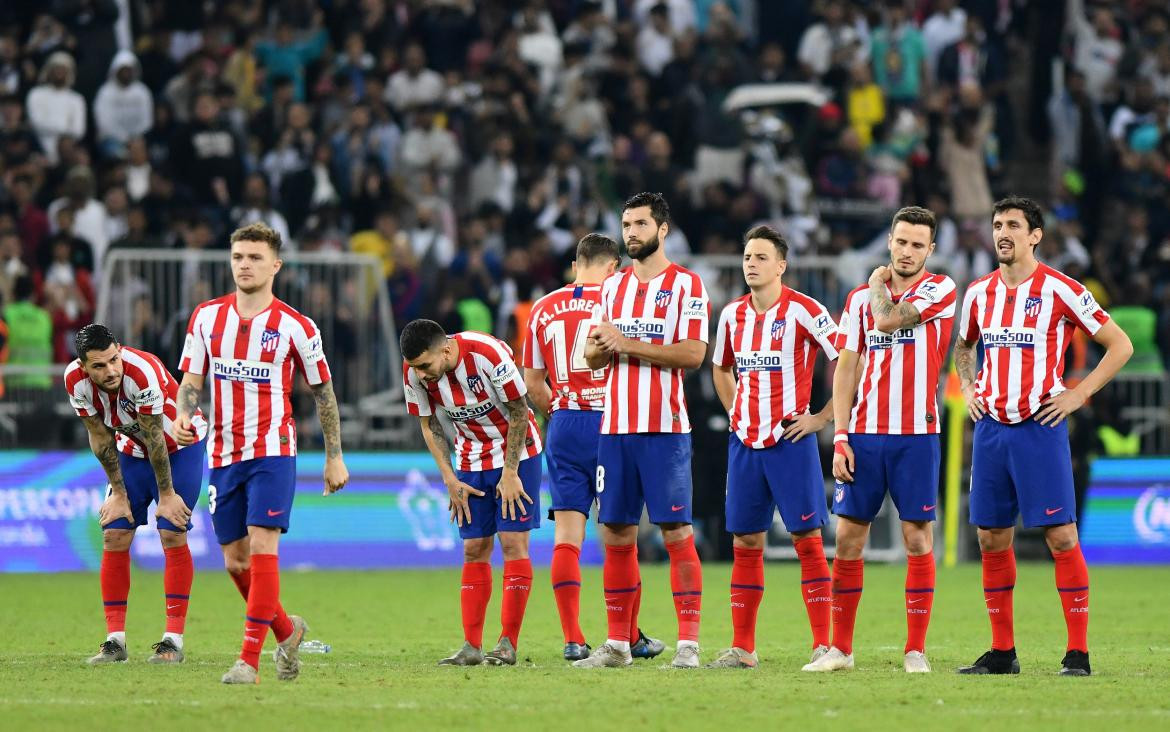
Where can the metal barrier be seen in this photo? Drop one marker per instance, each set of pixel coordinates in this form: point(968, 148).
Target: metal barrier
point(1145, 403)
point(146, 297)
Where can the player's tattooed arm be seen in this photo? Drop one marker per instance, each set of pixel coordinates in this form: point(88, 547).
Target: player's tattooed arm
point(156, 451)
point(965, 367)
point(458, 492)
point(517, 410)
point(330, 418)
point(186, 402)
point(888, 317)
point(188, 399)
point(105, 449)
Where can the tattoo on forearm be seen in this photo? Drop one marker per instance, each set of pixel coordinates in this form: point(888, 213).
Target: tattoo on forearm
point(965, 363)
point(330, 419)
point(187, 400)
point(156, 450)
point(439, 440)
point(882, 307)
point(105, 449)
point(517, 432)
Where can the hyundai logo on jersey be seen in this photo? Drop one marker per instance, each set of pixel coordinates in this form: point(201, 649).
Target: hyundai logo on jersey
point(1009, 338)
point(1032, 307)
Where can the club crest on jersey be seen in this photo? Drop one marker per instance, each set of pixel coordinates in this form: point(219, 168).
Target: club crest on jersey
point(662, 299)
point(1032, 307)
point(126, 405)
point(269, 340)
point(778, 328)
point(475, 383)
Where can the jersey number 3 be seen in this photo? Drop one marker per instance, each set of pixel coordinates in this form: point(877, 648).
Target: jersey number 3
point(554, 333)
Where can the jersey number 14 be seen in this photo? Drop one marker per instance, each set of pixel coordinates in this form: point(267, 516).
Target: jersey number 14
point(554, 333)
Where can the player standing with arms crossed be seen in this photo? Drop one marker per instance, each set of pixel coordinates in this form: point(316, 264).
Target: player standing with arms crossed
point(654, 326)
point(770, 337)
point(471, 380)
point(1024, 313)
point(887, 426)
point(557, 331)
point(251, 344)
point(126, 398)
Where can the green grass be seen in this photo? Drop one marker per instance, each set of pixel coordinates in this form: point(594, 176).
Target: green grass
point(389, 628)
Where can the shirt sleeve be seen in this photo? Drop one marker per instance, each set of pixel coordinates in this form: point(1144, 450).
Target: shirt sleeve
point(823, 331)
point(310, 353)
point(724, 354)
point(79, 400)
point(194, 358)
point(531, 356)
point(969, 318)
point(934, 299)
point(851, 336)
point(150, 399)
point(503, 374)
point(418, 403)
point(1081, 308)
point(695, 312)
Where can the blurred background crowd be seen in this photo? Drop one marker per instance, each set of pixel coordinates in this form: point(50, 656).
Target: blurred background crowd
point(468, 145)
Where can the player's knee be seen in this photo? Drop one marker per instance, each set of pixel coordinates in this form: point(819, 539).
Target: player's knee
point(619, 534)
point(675, 532)
point(991, 540)
point(514, 544)
point(748, 541)
point(117, 540)
point(172, 539)
point(918, 538)
point(477, 550)
point(1061, 538)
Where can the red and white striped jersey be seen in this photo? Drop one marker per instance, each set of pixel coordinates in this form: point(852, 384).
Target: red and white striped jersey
point(558, 328)
point(773, 353)
point(1025, 333)
point(147, 388)
point(898, 391)
point(671, 308)
point(472, 397)
point(251, 365)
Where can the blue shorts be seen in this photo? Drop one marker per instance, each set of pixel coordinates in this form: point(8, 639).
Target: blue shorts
point(905, 465)
point(486, 518)
point(651, 469)
point(1021, 469)
point(256, 492)
point(570, 451)
point(142, 488)
point(785, 476)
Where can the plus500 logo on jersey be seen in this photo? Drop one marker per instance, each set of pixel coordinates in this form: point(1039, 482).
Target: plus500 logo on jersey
point(876, 340)
point(1009, 338)
point(469, 411)
point(251, 372)
point(757, 361)
point(652, 328)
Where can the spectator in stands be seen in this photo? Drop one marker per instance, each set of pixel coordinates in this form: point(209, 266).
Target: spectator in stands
point(12, 266)
point(1097, 49)
point(90, 219)
point(54, 108)
point(137, 235)
point(495, 177)
point(286, 56)
point(69, 296)
point(30, 336)
point(209, 155)
point(656, 41)
point(961, 156)
point(124, 107)
point(899, 56)
point(946, 25)
point(31, 221)
point(257, 206)
point(414, 84)
point(833, 44)
point(380, 241)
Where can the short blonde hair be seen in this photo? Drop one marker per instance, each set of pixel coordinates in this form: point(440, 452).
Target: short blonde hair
point(258, 231)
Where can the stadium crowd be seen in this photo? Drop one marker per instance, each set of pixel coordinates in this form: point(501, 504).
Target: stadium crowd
point(469, 145)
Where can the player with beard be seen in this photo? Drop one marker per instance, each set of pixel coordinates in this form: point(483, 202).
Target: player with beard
point(653, 327)
point(897, 328)
point(1025, 313)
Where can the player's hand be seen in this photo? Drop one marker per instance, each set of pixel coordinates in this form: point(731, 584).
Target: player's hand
point(974, 406)
point(804, 425)
point(607, 336)
point(459, 492)
point(843, 462)
point(336, 475)
point(880, 275)
point(1053, 411)
point(173, 508)
point(116, 506)
point(182, 431)
point(511, 492)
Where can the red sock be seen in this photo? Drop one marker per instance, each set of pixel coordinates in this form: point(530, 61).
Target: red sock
point(637, 603)
point(747, 589)
point(999, 579)
point(816, 587)
point(848, 576)
point(281, 626)
point(115, 589)
point(177, 576)
point(263, 597)
point(517, 585)
point(566, 583)
point(686, 580)
point(919, 600)
point(1072, 582)
point(620, 578)
point(473, 598)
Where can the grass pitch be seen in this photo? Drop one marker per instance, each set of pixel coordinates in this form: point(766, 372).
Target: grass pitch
point(388, 629)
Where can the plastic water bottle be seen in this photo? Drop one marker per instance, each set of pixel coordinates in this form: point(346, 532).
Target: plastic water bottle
point(315, 646)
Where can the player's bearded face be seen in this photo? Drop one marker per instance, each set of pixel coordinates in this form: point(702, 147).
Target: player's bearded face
point(254, 264)
point(910, 245)
point(1013, 240)
point(105, 368)
point(639, 249)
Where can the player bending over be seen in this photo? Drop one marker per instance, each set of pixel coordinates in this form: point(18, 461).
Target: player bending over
point(471, 380)
point(251, 343)
point(770, 338)
point(653, 327)
point(126, 398)
point(557, 330)
point(887, 425)
point(1025, 313)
